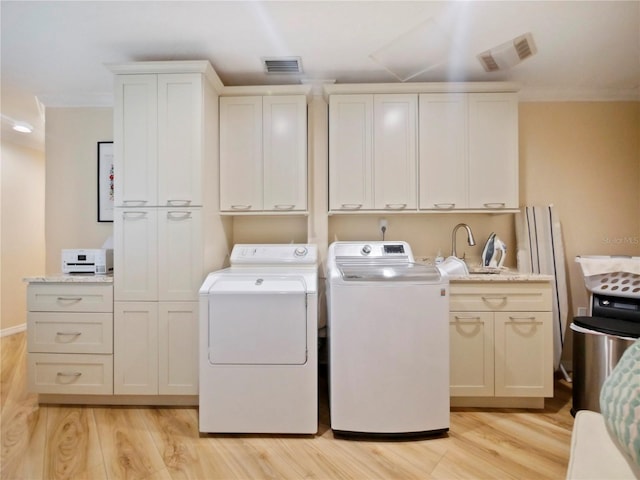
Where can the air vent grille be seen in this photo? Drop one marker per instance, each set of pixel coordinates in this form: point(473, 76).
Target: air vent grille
point(489, 63)
point(282, 65)
point(523, 47)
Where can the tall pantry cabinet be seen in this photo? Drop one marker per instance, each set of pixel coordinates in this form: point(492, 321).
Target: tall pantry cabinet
point(165, 144)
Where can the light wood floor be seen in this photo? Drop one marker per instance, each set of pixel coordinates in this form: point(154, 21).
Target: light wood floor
point(163, 443)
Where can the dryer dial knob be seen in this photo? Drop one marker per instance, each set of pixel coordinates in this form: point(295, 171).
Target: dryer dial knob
point(366, 250)
point(300, 251)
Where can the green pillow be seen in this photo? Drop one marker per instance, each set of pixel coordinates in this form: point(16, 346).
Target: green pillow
point(620, 402)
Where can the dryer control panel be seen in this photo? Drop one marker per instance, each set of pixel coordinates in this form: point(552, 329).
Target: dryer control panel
point(274, 254)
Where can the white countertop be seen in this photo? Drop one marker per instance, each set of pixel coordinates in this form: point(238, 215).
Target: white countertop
point(505, 276)
point(75, 278)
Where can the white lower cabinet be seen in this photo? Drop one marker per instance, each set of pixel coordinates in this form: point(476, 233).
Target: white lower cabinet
point(501, 341)
point(70, 338)
point(154, 348)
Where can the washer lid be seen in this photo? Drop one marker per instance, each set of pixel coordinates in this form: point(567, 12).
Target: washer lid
point(388, 272)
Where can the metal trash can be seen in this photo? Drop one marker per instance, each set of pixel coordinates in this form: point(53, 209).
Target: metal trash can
point(598, 344)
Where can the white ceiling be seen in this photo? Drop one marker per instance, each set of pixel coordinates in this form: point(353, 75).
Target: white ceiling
point(56, 51)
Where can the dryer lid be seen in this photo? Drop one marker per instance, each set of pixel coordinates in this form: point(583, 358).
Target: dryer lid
point(257, 283)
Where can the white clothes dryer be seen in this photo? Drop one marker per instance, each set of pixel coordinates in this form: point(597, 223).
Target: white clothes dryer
point(388, 321)
point(258, 342)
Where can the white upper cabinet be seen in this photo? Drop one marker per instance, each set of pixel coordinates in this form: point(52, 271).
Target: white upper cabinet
point(158, 140)
point(468, 151)
point(135, 140)
point(372, 152)
point(180, 106)
point(395, 151)
point(493, 150)
point(443, 151)
point(263, 154)
point(351, 152)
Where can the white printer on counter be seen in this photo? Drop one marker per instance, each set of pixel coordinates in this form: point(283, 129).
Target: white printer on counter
point(98, 261)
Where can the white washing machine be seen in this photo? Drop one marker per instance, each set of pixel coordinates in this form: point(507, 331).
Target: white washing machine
point(388, 321)
point(258, 342)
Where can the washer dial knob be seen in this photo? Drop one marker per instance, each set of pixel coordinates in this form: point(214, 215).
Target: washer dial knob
point(366, 250)
point(300, 251)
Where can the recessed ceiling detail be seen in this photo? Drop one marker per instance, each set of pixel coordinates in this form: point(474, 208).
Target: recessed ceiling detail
point(508, 54)
point(280, 65)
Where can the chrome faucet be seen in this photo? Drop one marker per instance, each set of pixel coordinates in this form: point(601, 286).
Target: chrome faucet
point(470, 238)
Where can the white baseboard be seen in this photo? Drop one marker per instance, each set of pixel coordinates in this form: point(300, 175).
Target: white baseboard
point(5, 332)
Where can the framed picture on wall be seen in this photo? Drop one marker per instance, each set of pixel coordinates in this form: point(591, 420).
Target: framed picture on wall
point(105, 181)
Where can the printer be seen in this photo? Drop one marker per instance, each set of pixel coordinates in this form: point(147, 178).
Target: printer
point(97, 261)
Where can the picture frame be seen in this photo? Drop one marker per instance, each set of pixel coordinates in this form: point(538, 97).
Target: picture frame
point(105, 182)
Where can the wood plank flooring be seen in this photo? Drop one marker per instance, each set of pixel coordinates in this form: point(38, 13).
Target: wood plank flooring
point(70, 442)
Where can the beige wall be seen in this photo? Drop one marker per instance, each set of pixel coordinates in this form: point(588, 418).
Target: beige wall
point(584, 158)
point(71, 139)
point(22, 229)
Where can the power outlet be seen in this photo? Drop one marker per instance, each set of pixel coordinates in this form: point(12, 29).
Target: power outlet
point(582, 311)
point(383, 224)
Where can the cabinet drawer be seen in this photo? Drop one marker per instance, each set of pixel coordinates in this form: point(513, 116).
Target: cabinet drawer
point(498, 297)
point(70, 373)
point(70, 297)
point(61, 332)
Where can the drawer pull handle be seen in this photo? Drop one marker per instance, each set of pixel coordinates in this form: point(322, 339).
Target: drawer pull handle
point(495, 297)
point(395, 206)
point(522, 318)
point(70, 334)
point(133, 214)
point(282, 206)
point(137, 202)
point(69, 299)
point(69, 374)
point(240, 207)
point(351, 206)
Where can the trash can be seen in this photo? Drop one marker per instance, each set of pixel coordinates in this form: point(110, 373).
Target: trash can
point(598, 344)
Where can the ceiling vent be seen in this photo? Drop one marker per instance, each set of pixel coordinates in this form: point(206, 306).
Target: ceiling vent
point(282, 65)
point(508, 54)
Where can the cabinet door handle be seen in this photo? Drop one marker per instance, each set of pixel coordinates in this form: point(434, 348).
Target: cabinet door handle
point(178, 215)
point(530, 317)
point(71, 334)
point(282, 206)
point(133, 214)
point(446, 206)
point(69, 299)
point(240, 207)
point(134, 202)
point(178, 203)
point(351, 206)
point(69, 374)
point(495, 205)
point(395, 206)
point(473, 319)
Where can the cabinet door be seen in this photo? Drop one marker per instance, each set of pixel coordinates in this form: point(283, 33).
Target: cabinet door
point(241, 168)
point(351, 152)
point(443, 151)
point(178, 348)
point(285, 152)
point(180, 254)
point(180, 139)
point(524, 354)
point(493, 150)
point(135, 140)
point(135, 254)
point(135, 348)
point(395, 152)
point(471, 354)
